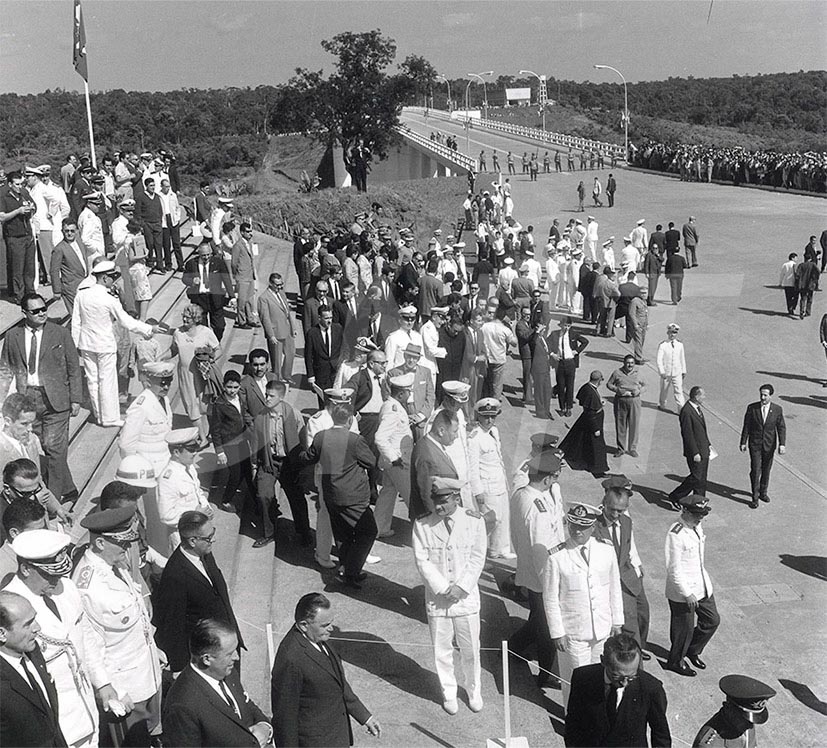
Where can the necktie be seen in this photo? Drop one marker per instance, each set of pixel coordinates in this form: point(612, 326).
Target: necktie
point(326, 337)
point(673, 343)
point(764, 411)
point(584, 553)
point(449, 524)
point(33, 683)
point(611, 704)
point(226, 694)
point(616, 540)
point(33, 355)
point(701, 414)
point(162, 399)
point(51, 605)
point(353, 307)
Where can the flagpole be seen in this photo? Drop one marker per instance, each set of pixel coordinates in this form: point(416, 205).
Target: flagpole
point(89, 122)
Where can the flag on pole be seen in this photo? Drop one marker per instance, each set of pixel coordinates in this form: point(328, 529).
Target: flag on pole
point(79, 46)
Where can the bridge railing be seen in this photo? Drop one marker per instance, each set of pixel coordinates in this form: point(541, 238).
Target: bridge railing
point(532, 133)
point(460, 160)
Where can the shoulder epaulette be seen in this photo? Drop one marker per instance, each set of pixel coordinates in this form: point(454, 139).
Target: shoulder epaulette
point(676, 528)
point(473, 513)
point(85, 577)
point(604, 540)
point(541, 507)
point(167, 473)
point(556, 548)
point(140, 399)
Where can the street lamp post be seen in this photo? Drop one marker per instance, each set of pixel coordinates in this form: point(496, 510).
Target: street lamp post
point(467, 106)
point(448, 83)
point(625, 108)
point(484, 89)
point(543, 94)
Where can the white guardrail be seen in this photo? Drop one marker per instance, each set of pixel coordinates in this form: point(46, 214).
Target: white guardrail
point(532, 133)
point(449, 154)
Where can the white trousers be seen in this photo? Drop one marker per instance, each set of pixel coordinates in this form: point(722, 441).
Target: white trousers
point(499, 538)
point(466, 631)
point(102, 380)
point(675, 381)
point(577, 654)
point(396, 481)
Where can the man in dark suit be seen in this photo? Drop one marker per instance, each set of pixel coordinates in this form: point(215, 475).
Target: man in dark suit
point(203, 209)
point(611, 187)
point(407, 283)
point(252, 391)
point(612, 703)
point(764, 429)
point(69, 265)
point(346, 314)
point(207, 704)
point(41, 358)
point(430, 291)
point(565, 347)
point(322, 353)
point(313, 304)
point(696, 448)
point(29, 714)
point(672, 239)
point(312, 701)
point(588, 276)
point(430, 460)
point(208, 282)
point(344, 461)
point(615, 526)
point(192, 587)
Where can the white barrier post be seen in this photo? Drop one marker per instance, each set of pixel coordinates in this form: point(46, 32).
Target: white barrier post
point(271, 652)
point(508, 741)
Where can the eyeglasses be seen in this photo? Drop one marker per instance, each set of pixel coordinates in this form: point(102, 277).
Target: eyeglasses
point(27, 494)
point(39, 310)
point(192, 448)
point(122, 544)
point(206, 538)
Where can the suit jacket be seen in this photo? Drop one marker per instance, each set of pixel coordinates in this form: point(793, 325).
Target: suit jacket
point(764, 434)
point(363, 390)
point(203, 209)
point(292, 425)
point(344, 459)
point(428, 460)
point(57, 365)
point(470, 365)
point(185, 596)
point(629, 580)
point(310, 313)
point(318, 362)
point(643, 704)
point(66, 270)
point(693, 432)
point(430, 293)
point(672, 240)
point(218, 277)
point(311, 699)
point(275, 316)
point(242, 263)
point(195, 715)
point(252, 398)
point(24, 720)
point(577, 343)
point(227, 426)
point(342, 315)
point(406, 283)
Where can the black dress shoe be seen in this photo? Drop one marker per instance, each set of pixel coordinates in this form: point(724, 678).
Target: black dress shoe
point(682, 669)
point(753, 505)
point(765, 499)
point(261, 542)
point(696, 661)
point(645, 656)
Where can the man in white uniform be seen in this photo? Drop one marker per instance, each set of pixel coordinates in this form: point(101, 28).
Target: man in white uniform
point(449, 549)
point(399, 340)
point(671, 366)
point(582, 594)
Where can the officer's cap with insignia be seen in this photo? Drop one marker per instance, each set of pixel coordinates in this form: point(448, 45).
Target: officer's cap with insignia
point(748, 694)
point(365, 345)
point(408, 311)
point(158, 369)
point(445, 487)
point(488, 406)
point(617, 481)
point(402, 382)
point(545, 463)
point(182, 437)
point(339, 394)
point(457, 390)
point(695, 504)
point(582, 515)
point(45, 550)
point(543, 440)
point(135, 470)
point(117, 524)
point(104, 267)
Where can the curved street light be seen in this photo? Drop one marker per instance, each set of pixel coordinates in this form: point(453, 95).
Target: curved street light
point(467, 105)
point(542, 95)
point(447, 83)
point(625, 108)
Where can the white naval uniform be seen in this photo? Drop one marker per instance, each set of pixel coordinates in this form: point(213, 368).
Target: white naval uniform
point(458, 452)
point(90, 230)
point(394, 440)
point(73, 659)
point(94, 316)
point(685, 571)
point(179, 491)
point(535, 272)
point(146, 425)
point(121, 627)
point(444, 559)
point(671, 362)
point(583, 601)
point(431, 350)
point(397, 342)
point(536, 526)
point(486, 472)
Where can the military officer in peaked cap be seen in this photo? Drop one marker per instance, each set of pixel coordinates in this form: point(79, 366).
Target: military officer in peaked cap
point(733, 725)
point(540, 443)
point(582, 594)
point(121, 625)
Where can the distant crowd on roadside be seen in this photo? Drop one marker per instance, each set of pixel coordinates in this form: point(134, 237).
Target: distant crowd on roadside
point(703, 163)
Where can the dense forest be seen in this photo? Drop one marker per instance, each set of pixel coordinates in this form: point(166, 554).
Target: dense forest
point(228, 128)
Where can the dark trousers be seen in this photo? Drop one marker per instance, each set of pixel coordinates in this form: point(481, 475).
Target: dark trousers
point(676, 288)
point(589, 309)
point(213, 306)
point(760, 464)
point(791, 295)
point(239, 469)
point(368, 424)
point(135, 728)
point(695, 482)
point(154, 236)
point(687, 636)
point(690, 254)
point(611, 196)
point(354, 529)
point(288, 479)
point(20, 254)
point(527, 388)
point(171, 241)
point(636, 616)
point(52, 428)
point(565, 383)
point(535, 631)
point(653, 286)
point(806, 304)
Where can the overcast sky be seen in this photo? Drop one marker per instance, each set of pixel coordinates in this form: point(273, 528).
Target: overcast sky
point(166, 44)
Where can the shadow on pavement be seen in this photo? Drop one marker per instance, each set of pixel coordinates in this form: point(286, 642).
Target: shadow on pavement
point(654, 496)
point(813, 566)
point(804, 695)
point(789, 375)
point(764, 312)
point(817, 401)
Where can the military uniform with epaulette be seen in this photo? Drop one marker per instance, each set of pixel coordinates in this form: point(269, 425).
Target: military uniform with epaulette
point(733, 725)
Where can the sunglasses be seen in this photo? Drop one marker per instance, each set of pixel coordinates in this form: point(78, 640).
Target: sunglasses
point(39, 310)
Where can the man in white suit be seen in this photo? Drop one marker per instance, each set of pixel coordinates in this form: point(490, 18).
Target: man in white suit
point(582, 594)
point(671, 366)
point(449, 550)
